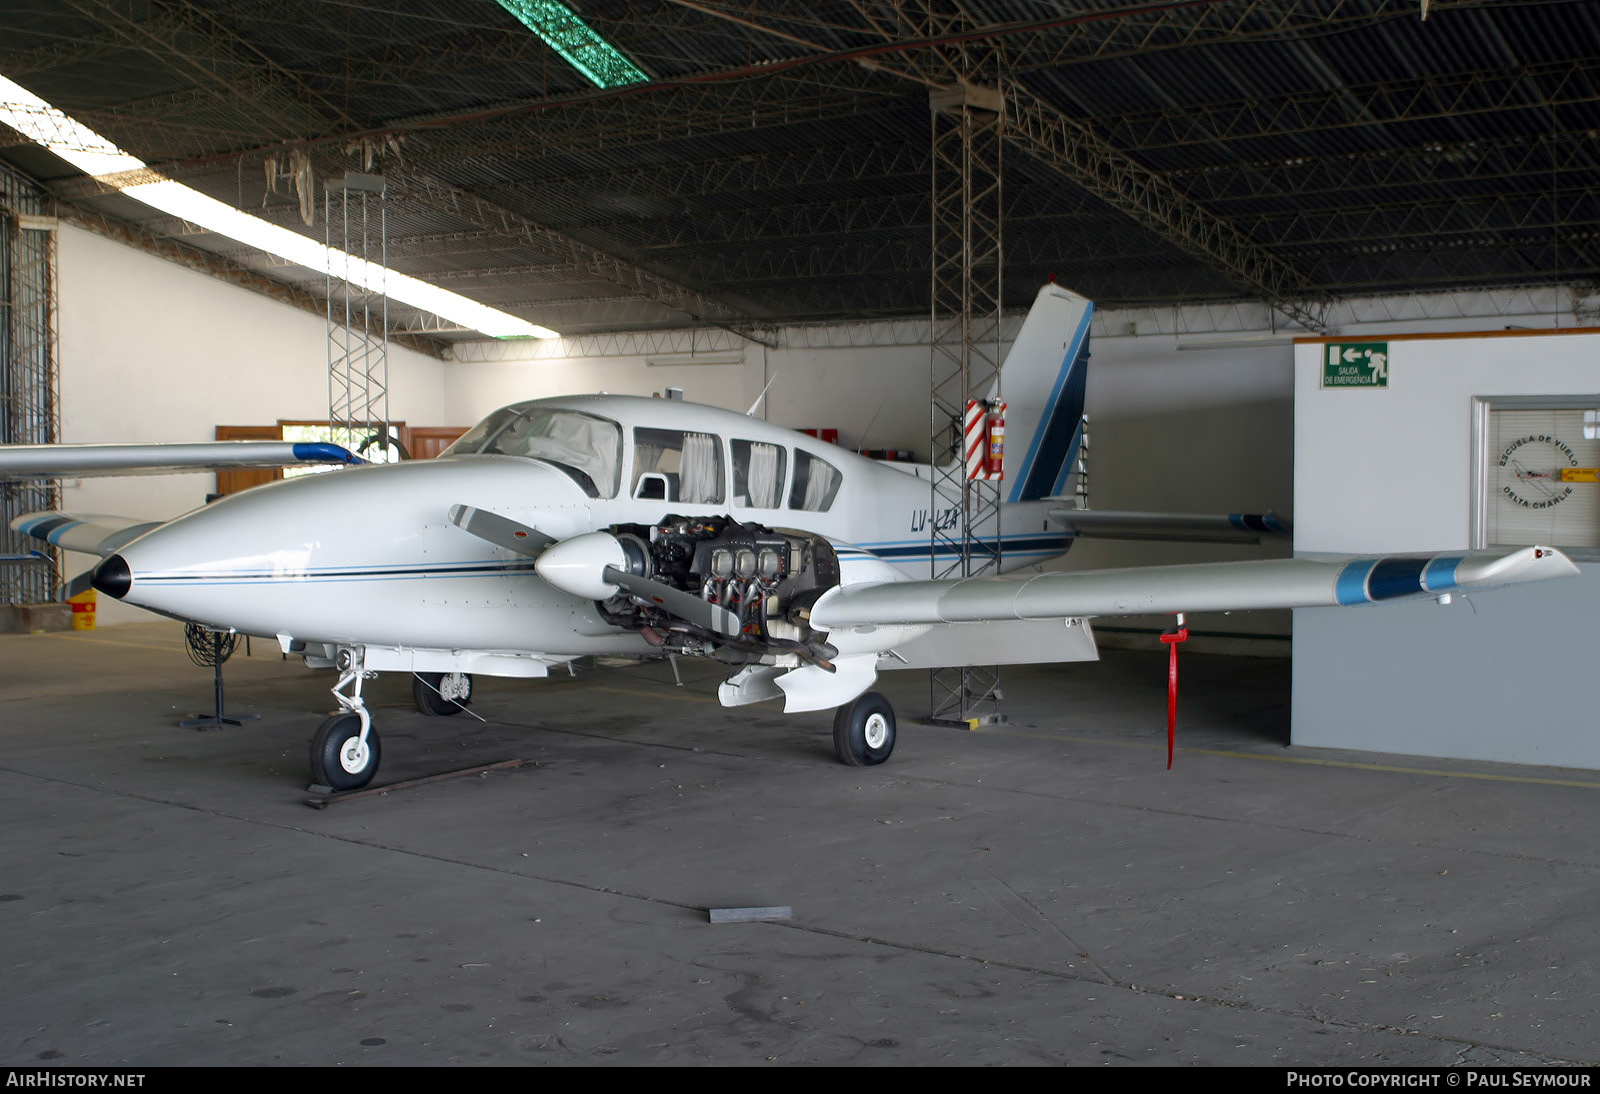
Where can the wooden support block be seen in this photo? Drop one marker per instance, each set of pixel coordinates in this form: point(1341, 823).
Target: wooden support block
point(749, 915)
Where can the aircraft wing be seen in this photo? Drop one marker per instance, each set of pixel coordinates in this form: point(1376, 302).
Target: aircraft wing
point(1153, 590)
point(92, 534)
point(1189, 527)
point(53, 461)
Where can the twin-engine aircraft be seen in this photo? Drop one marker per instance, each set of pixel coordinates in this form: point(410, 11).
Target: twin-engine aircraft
point(615, 525)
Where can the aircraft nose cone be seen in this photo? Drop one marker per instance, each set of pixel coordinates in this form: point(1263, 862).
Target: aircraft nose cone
point(113, 577)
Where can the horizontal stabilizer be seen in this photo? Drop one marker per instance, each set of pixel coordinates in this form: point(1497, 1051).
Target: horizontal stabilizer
point(1188, 527)
point(91, 533)
point(1214, 586)
point(54, 461)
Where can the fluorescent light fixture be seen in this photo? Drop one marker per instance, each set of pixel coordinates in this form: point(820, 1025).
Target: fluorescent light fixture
point(89, 152)
point(578, 44)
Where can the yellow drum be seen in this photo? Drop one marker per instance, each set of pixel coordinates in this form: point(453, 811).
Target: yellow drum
point(83, 610)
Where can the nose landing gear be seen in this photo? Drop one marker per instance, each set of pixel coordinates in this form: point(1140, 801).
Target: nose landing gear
point(342, 757)
point(345, 749)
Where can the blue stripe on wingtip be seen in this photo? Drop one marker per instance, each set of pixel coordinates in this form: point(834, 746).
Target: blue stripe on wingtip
point(1440, 573)
point(1264, 523)
point(54, 538)
point(38, 526)
point(1396, 577)
point(324, 452)
point(1350, 587)
point(49, 528)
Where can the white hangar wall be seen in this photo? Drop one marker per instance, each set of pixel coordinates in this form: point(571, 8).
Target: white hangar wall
point(152, 351)
point(1200, 431)
point(1500, 675)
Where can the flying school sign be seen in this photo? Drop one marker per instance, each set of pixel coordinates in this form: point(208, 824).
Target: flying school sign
point(1356, 364)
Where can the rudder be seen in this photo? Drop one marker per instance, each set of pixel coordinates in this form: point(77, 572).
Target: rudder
point(1044, 380)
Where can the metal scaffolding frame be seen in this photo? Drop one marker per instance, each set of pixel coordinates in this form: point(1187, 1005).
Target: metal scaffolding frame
point(30, 410)
point(355, 225)
point(967, 133)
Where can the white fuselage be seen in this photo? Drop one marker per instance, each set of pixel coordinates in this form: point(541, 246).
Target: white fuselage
point(368, 555)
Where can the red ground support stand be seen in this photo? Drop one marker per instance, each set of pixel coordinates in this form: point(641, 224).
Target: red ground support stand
point(1180, 633)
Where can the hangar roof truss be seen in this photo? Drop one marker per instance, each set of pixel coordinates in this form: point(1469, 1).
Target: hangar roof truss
point(770, 164)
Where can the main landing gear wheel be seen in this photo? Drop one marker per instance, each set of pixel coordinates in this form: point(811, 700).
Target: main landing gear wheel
point(339, 759)
point(441, 693)
point(863, 731)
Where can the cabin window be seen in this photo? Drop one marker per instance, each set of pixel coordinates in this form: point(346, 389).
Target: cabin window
point(587, 448)
point(685, 467)
point(816, 481)
point(757, 474)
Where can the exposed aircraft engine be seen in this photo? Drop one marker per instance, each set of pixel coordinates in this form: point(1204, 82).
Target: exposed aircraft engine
point(766, 579)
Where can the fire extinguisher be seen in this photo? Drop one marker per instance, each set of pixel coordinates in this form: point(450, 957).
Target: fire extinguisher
point(997, 441)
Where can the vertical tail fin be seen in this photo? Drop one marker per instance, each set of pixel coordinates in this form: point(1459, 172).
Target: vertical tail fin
point(1043, 379)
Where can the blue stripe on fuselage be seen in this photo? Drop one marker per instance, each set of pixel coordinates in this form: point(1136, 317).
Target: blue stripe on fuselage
point(1042, 546)
point(515, 568)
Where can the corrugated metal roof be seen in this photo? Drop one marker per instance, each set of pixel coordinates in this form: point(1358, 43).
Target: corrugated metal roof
point(778, 161)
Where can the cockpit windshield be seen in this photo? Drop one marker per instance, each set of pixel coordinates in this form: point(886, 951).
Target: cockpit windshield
point(587, 448)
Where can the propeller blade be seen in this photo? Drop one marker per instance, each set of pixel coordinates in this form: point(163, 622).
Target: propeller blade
point(500, 531)
point(681, 604)
point(75, 587)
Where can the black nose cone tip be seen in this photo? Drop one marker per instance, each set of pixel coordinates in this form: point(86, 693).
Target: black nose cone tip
point(113, 577)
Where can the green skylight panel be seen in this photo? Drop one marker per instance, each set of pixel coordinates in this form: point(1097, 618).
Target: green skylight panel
point(571, 37)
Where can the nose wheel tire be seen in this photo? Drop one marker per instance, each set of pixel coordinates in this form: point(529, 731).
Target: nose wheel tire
point(339, 758)
point(863, 731)
point(441, 693)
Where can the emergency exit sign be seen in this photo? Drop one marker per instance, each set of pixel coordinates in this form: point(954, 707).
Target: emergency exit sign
point(1355, 364)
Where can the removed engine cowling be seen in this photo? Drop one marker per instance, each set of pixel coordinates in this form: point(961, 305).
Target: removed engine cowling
point(762, 580)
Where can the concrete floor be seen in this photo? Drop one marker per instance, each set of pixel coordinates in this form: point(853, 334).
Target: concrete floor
point(1039, 893)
